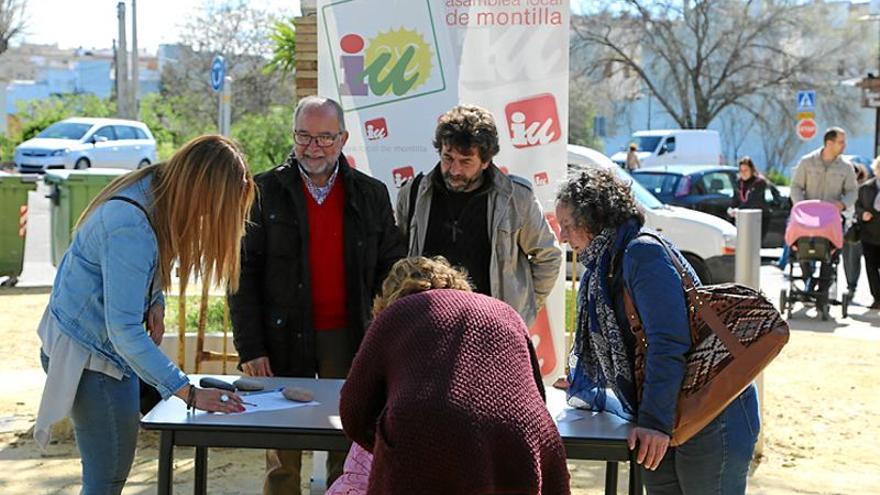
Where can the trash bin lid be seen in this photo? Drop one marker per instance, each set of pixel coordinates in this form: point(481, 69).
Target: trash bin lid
point(65, 175)
point(23, 178)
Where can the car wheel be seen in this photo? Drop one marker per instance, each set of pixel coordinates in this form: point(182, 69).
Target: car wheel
point(82, 164)
point(700, 267)
point(144, 163)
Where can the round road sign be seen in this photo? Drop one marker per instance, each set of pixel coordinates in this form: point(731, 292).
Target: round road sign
point(806, 129)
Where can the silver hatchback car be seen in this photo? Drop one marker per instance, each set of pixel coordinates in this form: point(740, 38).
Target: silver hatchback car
point(88, 142)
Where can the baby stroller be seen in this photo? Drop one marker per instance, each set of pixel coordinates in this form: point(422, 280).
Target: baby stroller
point(815, 235)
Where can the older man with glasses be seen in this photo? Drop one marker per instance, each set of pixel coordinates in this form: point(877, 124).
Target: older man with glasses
point(321, 240)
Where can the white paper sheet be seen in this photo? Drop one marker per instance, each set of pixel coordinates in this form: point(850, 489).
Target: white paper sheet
point(270, 401)
point(569, 415)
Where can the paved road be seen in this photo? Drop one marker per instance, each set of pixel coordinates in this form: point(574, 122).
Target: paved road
point(37, 270)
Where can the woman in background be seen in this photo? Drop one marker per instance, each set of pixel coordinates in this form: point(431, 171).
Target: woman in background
point(750, 189)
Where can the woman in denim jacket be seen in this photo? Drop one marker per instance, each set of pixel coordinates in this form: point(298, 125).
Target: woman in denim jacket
point(599, 218)
point(189, 211)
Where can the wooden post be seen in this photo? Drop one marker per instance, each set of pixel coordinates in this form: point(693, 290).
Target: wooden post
point(181, 332)
point(306, 50)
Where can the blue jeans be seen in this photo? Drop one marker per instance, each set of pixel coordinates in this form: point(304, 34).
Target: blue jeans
point(105, 421)
point(716, 460)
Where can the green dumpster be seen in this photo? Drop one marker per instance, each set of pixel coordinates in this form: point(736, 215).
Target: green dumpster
point(72, 191)
point(13, 195)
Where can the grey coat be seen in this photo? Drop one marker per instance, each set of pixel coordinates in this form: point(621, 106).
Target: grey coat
point(526, 257)
point(832, 182)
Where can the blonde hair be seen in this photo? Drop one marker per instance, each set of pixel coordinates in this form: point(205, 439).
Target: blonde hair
point(875, 165)
point(202, 197)
point(418, 274)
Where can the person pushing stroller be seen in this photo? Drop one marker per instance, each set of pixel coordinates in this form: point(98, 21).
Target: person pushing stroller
point(824, 175)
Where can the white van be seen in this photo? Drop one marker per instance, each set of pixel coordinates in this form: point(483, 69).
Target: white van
point(708, 242)
point(675, 147)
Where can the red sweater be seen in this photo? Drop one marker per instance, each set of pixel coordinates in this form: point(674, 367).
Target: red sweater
point(443, 392)
point(327, 259)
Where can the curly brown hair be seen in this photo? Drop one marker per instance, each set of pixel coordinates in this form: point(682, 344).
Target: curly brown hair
point(599, 199)
point(466, 126)
point(418, 274)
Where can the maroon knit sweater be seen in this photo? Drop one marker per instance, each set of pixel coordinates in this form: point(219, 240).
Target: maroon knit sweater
point(443, 392)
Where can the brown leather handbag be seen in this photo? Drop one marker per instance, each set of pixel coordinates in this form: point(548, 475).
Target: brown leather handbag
point(735, 333)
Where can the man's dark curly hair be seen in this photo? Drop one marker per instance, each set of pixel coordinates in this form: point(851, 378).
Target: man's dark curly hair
point(465, 126)
point(599, 199)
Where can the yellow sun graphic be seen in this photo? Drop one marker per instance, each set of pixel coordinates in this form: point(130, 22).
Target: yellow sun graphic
point(403, 56)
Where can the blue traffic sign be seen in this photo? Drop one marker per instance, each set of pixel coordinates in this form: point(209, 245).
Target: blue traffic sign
point(806, 100)
point(218, 73)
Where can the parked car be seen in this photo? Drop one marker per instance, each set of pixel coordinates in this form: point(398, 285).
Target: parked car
point(674, 146)
point(88, 142)
point(709, 244)
point(710, 189)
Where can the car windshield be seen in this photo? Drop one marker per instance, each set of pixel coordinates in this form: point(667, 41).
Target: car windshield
point(658, 183)
point(643, 196)
point(647, 143)
point(65, 130)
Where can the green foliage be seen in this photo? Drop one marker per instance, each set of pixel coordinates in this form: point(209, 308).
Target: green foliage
point(265, 139)
point(171, 127)
point(777, 177)
point(37, 115)
point(582, 111)
point(7, 148)
point(284, 48)
point(213, 321)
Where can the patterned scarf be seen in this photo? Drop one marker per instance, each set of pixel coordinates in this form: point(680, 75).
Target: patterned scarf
point(601, 372)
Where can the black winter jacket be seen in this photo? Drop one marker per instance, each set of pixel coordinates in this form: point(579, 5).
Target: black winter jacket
point(272, 310)
point(869, 231)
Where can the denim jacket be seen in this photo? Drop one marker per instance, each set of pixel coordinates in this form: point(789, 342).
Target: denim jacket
point(656, 288)
point(100, 292)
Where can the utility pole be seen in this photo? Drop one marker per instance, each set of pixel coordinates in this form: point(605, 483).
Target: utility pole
point(135, 97)
point(121, 66)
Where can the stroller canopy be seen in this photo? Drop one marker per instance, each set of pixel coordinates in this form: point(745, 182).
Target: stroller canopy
point(815, 218)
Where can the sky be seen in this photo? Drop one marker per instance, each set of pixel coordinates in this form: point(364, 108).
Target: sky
point(92, 23)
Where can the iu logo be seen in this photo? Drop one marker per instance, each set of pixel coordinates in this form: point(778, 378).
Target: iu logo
point(533, 121)
point(541, 179)
point(395, 62)
point(376, 129)
point(400, 175)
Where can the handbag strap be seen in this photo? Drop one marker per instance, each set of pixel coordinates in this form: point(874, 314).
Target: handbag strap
point(696, 304)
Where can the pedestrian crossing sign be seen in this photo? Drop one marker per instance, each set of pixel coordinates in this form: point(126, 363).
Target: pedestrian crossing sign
point(806, 100)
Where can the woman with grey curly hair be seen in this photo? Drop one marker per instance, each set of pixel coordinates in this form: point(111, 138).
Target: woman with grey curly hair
point(601, 221)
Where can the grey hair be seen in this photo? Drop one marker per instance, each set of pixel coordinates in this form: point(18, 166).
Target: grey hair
point(314, 102)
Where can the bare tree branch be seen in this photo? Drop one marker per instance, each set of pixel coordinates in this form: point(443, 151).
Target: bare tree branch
point(12, 21)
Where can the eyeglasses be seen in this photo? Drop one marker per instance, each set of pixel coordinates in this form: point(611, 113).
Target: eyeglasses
point(322, 140)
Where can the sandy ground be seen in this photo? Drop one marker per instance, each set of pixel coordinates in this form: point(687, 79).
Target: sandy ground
point(821, 418)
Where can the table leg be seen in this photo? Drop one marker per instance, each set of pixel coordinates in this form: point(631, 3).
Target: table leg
point(200, 484)
point(635, 478)
point(610, 478)
point(166, 459)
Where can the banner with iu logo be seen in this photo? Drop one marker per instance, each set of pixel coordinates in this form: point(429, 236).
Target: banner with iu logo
point(397, 65)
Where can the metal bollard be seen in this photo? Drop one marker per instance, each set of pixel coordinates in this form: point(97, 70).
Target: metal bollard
point(748, 248)
point(748, 272)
